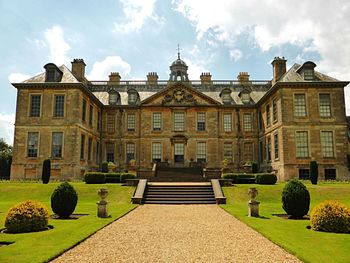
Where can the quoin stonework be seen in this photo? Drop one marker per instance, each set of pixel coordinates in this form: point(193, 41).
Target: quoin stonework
point(280, 124)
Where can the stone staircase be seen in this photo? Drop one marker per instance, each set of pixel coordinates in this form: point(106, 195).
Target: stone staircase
point(179, 174)
point(179, 193)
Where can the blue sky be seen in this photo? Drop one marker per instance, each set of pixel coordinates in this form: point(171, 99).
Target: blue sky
point(135, 37)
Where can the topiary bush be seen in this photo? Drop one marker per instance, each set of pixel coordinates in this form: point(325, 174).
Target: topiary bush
point(104, 167)
point(295, 199)
point(330, 216)
point(313, 172)
point(46, 173)
point(28, 216)
point(266, 178)
point(64, 200)
point(94, 178)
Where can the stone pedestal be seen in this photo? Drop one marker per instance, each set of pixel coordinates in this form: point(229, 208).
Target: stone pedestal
point(102, 209)
point(253, 208)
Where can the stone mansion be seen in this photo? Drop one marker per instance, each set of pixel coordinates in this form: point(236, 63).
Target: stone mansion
point(280, 124)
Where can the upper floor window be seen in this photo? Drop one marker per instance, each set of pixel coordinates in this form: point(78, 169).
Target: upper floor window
point(53, 73)
point(157, 121)
point(226, 96)
point(228, 154)
point(327, 144)
point(98, 125)
point(275, 142)
point(274, 110)
point(83, 116)
point(110, 152)
point(325, 105)
point(156, 152)
point(32, 144)
point(299, 105)
point(91, 114)
point(82, 147)
point(50, 75)
point(58, 106)
point(201, 152)
point(308, 74)
point(268, 149)
point(201, 121)
point(227, 122)
point(89, 148)
point(113, 98)
point(110, 122)
point(245, 97)
point(57, 142)
point(132, 96)
point(247, 122)
point(131, 119)
point(179, 121)
point(302, 144)
point(268, 117)
point(35, 105)
point(248, 152)
point(130, 152)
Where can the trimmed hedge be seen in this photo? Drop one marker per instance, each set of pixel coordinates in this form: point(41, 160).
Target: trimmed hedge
point(95, 178)
point(250, 178)
point(267, 178)
point(101, 178)
point(104, 167)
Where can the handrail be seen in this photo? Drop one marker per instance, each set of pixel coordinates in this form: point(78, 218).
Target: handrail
point(140, 190)
point(219, 195)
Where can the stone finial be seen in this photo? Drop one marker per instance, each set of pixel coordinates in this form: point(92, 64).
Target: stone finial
point(152, 78)
point(206, 78)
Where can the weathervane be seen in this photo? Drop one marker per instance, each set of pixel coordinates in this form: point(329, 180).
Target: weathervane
point(178, 51)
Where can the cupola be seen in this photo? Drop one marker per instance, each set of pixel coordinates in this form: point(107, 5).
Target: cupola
point(178, 70)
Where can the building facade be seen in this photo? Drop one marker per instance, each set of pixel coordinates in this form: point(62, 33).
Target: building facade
point(280, 124)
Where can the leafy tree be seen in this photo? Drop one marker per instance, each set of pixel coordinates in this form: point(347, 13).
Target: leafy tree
point(5, 158)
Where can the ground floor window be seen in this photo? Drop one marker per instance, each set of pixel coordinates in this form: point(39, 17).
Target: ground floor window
point(110, 152)
point(130, 152)
point(228, 154)
point(156, 152)
point(330, 174)
point(201, 152)
point(304, 174)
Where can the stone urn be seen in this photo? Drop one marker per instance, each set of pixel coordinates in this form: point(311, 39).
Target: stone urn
point(252, 192)
point(103, 193)
point(111, 167)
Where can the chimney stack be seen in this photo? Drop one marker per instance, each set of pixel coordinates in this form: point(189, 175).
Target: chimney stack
point(205, 78)
point(243, 78)
point(279, 68)
point(114, 78)
point(152, 78)
point(78, 68)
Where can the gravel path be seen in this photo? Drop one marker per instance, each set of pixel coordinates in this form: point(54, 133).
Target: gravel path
point(177, 233)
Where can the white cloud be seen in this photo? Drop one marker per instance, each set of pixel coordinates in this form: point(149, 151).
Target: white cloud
point(58, 46)
point(102, 69)
point(235, 54)
point(321, 26)
point(136, 13)
point(7, 127)
point(18, 77)
point(195, 69)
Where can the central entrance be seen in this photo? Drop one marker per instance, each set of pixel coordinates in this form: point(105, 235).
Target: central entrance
point(179, 154)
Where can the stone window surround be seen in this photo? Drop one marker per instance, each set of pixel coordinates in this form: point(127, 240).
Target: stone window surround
point(37, 146)
point(228, 151)
point(155, 121)
point(327, 150)
point(307, 146)
point(54, 108)
point(227, 123)
point(247, 122)
point(301, 113)
point(322, 115)
point(30, 104)
point(130, 122)
point(201, 121)
point(157, 153)
point(179, 121)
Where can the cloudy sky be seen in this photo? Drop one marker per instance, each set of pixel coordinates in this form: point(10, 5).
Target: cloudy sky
point(135, 37)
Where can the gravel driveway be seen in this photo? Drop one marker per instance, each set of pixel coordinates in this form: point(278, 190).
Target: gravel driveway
point(177, 233)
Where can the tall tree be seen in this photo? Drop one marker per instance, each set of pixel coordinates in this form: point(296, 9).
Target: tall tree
point(5, 159)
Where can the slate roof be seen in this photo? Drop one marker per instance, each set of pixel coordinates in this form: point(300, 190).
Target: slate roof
point(67, 77)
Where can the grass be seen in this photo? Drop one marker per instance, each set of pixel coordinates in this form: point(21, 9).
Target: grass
point(43, 246)
point(292, 235)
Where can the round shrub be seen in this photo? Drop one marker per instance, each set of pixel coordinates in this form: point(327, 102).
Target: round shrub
point(28, 216)
point(331, 216)
point(266, 178)
point(295, 199)
point(94, 178)
point(64, 200)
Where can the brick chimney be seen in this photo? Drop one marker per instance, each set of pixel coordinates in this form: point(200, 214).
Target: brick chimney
point(114, 78)
point(78, 68)
point(152, 78)
point(279, 68)
point(243, 78)
point(205, 78)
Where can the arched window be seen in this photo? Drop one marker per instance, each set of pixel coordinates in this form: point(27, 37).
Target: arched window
point(113, 98)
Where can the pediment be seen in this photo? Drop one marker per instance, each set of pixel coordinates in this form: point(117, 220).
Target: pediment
point(179, 94)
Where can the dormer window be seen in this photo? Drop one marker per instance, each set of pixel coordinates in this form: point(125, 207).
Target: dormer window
point(307, 70)
point(308, 74)
point(245, 97)
point(53, 73)
point(132, 97)
point(226, 96)
point(113, 98)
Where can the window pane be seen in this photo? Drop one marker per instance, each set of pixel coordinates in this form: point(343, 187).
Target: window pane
point(302, 145)
point(267, 109)
point(227, 122)
point(179, 121)
point(131, 122)
point(130, 152)
point(91, 114)
point(247, 122)
point(110, 152)
point(308, 74)
point(274, 110)
point(35, 101)
point(32, 147)
point(82, 147)
point(83, 116)
point(110, 122)
point(325, 105)
point(228, 154)
point(201, 152)
point(157, 121)
point(248, 152)
point(89, 148)
point(56, 144)
point(327, 144)
point(299, 105)
point(59, 106)
point(156, 152)
point(268, 149)
point(201, 121)
point(275, 142)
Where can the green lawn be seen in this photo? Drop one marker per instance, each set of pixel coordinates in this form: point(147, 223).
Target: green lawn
point(42, 246)
point(308, 245)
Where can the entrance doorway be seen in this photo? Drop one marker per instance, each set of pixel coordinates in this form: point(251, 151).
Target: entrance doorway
point(179, 154)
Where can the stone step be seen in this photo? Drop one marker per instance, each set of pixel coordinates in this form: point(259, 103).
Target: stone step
point(180, 196)
point(181, 202)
